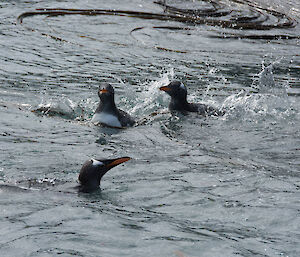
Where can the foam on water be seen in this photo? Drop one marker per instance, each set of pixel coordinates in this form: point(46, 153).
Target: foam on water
point(62, 107)
point(270, 99)
point(150, 99)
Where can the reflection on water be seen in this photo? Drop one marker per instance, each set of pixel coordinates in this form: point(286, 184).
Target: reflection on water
point(196, 186)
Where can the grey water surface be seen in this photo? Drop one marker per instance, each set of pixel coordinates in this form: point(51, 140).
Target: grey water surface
point(214, 186)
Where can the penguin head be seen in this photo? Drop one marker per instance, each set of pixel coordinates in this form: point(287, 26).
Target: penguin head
point(176, 89)
point(106, 92)
point(93, 170)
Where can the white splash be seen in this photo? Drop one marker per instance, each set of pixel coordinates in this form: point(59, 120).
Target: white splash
point(267, 83)
point(62, 107)
point(151, 98)
point(270, 99)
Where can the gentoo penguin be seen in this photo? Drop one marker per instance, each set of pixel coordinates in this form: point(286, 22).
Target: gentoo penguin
point(107, 113)
point(178, 92)
point(93, 170)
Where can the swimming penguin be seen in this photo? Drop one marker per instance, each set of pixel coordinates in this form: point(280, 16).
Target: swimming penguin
point(178, 92)
point(93, 170)
point(107, 113)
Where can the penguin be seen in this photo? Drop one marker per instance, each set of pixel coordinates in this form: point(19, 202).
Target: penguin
point(107, 113)
point(93, 170)
point(178, 92)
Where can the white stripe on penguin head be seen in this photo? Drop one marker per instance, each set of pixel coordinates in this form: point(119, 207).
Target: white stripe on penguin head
point(96, 163)
point(182, 86)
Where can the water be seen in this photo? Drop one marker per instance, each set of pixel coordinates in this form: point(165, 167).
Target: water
point(195, 186)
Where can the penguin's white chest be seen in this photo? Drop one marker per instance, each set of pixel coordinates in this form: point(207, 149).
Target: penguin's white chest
point(107, 119)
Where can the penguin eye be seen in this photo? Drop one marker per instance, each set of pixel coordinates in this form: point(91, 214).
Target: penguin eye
point(96, 163)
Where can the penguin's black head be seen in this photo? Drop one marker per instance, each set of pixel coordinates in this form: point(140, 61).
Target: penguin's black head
point(93, 170)
point(176, 89)
point(106, 91)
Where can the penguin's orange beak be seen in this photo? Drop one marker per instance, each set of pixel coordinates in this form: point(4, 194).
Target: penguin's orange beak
point(103, 91)
point(117, 161)
point(165, 88)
